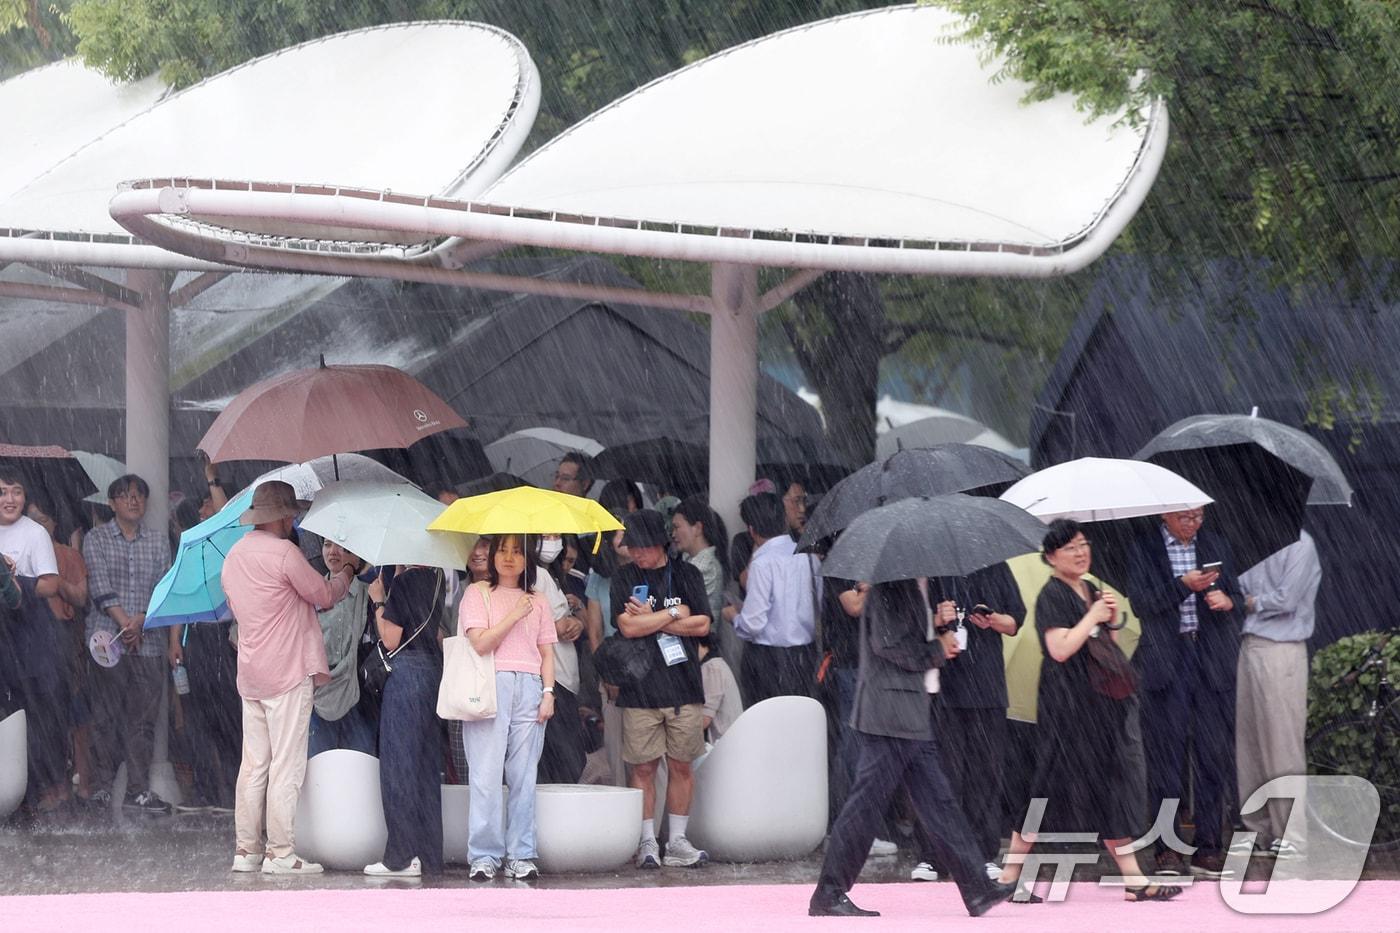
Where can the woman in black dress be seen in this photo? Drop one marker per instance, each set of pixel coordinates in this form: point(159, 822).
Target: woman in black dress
point(1090, 768)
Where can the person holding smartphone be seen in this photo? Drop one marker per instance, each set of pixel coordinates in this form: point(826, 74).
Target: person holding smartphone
point(663, 601)
point(1182, 582)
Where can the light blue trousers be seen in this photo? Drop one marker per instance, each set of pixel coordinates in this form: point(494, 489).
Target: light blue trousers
point(511, 744)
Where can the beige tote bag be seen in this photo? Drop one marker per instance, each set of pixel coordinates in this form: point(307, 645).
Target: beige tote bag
point(468, 688)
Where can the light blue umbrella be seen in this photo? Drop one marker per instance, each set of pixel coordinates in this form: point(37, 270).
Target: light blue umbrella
point(191, 590)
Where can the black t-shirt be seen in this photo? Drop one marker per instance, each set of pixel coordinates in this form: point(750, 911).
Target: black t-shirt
point(840, 632)
point(976, 678)
point(414, 594)
point(679, 684)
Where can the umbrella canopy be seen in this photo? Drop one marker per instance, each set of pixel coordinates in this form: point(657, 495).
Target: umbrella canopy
point(946, 428)
point(525, 510)
point(311, 477)
point(102, 470)
point(1299, 450)
point(932, 471)
point(53, 471)
point(310, 413)
point(533, 453)
point(1094, 489)
point(191, 590)
point(943, 536)
point(387, 523)
point(1262, 475)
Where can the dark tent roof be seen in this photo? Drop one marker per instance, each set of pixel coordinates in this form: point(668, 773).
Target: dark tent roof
point(1140, 359)
point(505, 361)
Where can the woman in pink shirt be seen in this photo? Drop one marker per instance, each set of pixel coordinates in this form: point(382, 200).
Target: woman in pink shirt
point(502, 616)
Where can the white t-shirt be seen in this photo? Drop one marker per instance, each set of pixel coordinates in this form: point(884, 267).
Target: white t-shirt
point(27, 543)
point(565, 652)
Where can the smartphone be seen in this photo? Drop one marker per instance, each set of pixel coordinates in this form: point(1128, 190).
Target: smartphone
point(640, 591)
point(1213, 566)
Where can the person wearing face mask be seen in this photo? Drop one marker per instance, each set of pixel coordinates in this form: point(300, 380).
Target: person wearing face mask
point(563, 757)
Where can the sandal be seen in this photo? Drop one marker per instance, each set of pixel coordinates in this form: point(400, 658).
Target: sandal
point(1152, 892)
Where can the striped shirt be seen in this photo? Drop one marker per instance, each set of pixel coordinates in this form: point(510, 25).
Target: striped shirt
point(123, 573)
point(1183, 558)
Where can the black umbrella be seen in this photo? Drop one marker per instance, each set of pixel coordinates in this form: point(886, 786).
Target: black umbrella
point(924, 471)
point(1261, 474)
point(945, 536)
point(52, 470)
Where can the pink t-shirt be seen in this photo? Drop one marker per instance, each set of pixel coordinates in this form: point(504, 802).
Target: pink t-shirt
point(520, 649)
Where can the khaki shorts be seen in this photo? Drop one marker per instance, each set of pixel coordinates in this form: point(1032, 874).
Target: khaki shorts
point(647, 734)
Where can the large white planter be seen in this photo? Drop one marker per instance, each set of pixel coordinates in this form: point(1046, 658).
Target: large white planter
point(760, 794)
point(456, 811)
point(340, 816)
point(14, 761)
point(586, 827)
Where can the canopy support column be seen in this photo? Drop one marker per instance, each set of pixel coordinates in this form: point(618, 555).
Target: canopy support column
point(148, 391)
point(733, 387)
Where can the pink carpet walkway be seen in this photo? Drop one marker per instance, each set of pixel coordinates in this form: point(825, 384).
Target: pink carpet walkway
point(1373, 906)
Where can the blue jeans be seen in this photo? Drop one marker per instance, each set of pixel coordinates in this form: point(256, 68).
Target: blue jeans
point(510, 742)
point(353, 731)
point(410, 762)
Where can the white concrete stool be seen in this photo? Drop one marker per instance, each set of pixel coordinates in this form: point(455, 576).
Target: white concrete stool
point(340, 816)
point(760, 794)
point(586, 827)
point(14, 761)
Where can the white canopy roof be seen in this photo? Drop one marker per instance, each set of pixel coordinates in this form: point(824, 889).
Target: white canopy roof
point(865, 142)
point(438, 107)
point(50, 112)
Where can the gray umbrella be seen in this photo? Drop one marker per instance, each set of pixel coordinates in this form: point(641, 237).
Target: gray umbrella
point(945, 536)
point(1299, 450)
point(923, 471)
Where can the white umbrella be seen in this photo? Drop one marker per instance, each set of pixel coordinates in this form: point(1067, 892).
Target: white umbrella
point(310, 477)
point(1095, 489)
point(533, 453)
point(387, 523)
point(102, 470)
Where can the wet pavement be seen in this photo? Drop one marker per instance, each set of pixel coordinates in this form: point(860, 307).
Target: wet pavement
point(96, 853)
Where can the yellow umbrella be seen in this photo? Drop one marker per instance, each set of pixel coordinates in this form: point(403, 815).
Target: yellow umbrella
point(1022, 652)
point(525, 510)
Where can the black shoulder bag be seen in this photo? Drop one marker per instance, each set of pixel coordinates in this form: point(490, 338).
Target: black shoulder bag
point(377, 665)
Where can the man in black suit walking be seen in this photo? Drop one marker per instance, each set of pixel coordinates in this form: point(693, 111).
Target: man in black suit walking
point(1183, 586)
point(891, 716)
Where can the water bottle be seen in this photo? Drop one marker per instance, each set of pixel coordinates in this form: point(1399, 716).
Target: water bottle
point(181, 678)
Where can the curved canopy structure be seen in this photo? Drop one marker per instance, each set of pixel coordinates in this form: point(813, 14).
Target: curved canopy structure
point(52, 111)
point(867, 143)
point(382, 107)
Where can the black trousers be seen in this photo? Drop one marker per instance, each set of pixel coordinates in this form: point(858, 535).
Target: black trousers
point(974, 746)
point(563, 757)
point(885, 763)
point(213, 713)
point(766, 672)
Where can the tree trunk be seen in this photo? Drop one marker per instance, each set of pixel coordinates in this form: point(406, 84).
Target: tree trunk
point(838, 336)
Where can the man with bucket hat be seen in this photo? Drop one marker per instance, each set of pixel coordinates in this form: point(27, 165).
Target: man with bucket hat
point(275, 595)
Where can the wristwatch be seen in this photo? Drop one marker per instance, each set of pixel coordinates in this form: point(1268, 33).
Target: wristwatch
point(548, 690)
point(674, 613)
point(375, 605)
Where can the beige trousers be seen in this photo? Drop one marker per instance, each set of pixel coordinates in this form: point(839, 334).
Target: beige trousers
point(1271, 714)
point(274, 765)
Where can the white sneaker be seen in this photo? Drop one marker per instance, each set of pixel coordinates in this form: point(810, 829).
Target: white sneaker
point(923, 872)
point(649, 854)
point(521, 869)
point(681, 854)
point(883, 847)
point(246, 862)
point(993, 871)
point(380, 870)
point(290, 865)
point(483, 869)
point(1283, 849)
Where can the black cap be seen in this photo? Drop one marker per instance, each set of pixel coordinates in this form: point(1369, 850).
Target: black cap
point(645, 528)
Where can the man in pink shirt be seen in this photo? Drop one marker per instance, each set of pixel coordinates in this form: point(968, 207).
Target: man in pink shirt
point(275, 594)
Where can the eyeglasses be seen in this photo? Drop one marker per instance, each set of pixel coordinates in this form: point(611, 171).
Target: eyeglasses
point(1077, 547)
point(131, 495)
point(1194, 518)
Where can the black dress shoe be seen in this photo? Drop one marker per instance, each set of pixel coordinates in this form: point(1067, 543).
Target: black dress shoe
point(996, 894)
point(838, 906)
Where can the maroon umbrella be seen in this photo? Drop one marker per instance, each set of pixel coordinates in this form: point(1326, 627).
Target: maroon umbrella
point(312, 413)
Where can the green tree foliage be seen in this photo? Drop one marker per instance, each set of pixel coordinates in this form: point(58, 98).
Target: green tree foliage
point(32, 32)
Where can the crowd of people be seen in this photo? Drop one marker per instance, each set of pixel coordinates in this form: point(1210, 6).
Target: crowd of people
point(911, 673)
